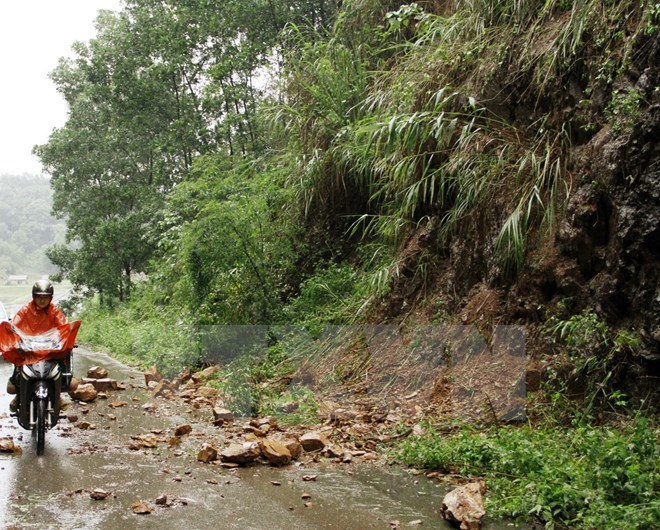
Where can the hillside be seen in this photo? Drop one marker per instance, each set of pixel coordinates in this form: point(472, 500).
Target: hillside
point(444, 215)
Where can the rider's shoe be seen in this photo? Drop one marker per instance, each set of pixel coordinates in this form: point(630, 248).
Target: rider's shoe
point(11, 388)
point(13, 404)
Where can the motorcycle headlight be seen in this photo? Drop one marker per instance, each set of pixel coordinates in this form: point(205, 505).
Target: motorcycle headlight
point(41, 370)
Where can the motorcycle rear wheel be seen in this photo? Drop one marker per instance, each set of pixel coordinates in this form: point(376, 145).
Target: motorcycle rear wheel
point(41, 407)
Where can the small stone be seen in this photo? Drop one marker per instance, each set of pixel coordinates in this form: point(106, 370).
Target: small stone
point(141, 508)
point(182, 430)
point(98, 494)
point(161, 500)
point(96, 372)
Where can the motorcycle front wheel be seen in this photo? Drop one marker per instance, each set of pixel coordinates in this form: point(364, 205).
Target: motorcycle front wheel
point(41, 410)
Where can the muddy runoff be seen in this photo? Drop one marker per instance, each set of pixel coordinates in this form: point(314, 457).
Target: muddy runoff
point(131, 460)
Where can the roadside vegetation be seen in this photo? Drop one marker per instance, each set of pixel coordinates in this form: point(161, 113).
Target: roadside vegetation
point(312, 164)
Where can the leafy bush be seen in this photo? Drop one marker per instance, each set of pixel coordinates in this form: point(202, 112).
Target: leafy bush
point(332, 295)
point(141, 336)
point(582, 478)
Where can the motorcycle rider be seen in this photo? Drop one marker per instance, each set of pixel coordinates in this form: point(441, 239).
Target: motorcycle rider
point(36, 317)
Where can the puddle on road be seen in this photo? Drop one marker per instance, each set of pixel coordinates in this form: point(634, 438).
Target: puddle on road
point(52, 491)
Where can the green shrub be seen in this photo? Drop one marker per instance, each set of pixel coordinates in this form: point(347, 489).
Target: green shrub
point(141, 337)
point(581, 478)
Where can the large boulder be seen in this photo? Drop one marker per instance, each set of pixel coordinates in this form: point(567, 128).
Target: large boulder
point(465, 505)
point(313, 441)
point(152, 374)
point(85, 392)
point(275, 452)
point(241, 453)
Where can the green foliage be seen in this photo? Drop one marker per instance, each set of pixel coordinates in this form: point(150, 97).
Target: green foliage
point(295, 406)
point(332, 295)
point(598, 354)
point(624, 111)
point(582, 478)
point(229, 242)
point(251, 384)
point(142, 335)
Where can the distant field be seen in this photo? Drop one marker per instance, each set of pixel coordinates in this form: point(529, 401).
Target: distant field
point(16, 295)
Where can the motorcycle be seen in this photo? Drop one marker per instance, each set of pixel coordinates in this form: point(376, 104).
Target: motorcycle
point(39, 387)
point(42, 372)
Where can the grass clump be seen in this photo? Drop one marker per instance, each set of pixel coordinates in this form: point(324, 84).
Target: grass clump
point(582, 478)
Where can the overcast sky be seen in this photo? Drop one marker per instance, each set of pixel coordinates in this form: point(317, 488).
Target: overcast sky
point(34, 34)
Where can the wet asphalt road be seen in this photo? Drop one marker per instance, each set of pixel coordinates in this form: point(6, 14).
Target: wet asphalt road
point(53, 491)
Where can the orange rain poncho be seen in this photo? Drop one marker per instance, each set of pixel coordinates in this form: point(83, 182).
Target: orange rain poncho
point(36, 335)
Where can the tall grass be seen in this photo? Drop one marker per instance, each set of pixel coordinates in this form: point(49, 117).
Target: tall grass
point(406, 125)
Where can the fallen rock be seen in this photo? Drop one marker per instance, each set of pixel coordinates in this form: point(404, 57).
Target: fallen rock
point(275, 452)
point(141, 508)
point(85, 392)
point(7, 445)
point(313, 441)
point(162, 388)
point(465, 505)
point(182, 430)
point(204, 375)
point(161, 500)
point(101, 384)
point(96, 372)
point(98, 494)
point(293, 445)
point(222, 415)
point(182, 378)
point(152, 374)
point(207, 454)
point(241, 453)
point(207, 392)
point(146, 440)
